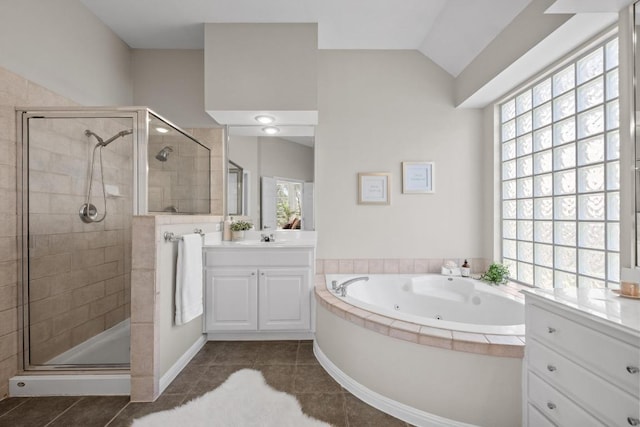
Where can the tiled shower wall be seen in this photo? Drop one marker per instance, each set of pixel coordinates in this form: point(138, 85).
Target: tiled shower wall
point(79, 273)
point(14, 91)
point(181, 183)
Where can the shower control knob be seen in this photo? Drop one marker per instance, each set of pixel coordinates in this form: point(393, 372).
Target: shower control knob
point(551, 405)
point(551, 368)
point(551, 330)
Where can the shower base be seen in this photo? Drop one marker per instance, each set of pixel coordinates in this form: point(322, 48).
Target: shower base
point(110, 346)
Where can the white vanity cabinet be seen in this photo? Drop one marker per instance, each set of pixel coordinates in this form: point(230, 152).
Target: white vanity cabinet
point(258, 291)
point(582, 359)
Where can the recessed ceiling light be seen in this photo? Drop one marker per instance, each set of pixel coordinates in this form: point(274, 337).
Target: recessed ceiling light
point(264, 119)
point(162, 130)
point(270, 130)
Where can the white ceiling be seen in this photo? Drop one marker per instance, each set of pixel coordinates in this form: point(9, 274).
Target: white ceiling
point(450, 32)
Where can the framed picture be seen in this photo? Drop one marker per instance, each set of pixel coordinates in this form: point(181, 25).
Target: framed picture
point(373, 188)
point(417, 177)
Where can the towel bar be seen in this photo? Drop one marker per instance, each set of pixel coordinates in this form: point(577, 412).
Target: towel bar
point(169, 236)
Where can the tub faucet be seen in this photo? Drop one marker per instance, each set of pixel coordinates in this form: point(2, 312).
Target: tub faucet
point(342, 287)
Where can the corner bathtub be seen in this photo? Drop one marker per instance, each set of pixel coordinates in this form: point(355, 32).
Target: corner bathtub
point(454, 303)
point(425, 349)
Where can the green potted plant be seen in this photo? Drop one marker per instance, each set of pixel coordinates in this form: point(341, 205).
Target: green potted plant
point(497, 274)
point(238, 228)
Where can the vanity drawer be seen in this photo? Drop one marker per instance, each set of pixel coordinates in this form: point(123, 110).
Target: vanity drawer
point(555, 406)
point(608, 357)
point(268, 257)
point(536, 419)
point(603, 399)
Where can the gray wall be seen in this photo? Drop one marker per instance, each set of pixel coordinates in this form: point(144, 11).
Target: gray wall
point(171, 82)
point(61, 45)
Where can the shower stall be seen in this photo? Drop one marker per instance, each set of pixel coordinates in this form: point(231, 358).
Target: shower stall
point(85, 172)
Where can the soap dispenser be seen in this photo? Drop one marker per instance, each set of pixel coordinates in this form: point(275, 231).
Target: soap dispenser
point(465, 270)
point(226, 229)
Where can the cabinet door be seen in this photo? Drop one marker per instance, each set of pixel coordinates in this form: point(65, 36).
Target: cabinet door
point(231, 297)
point(285, 299)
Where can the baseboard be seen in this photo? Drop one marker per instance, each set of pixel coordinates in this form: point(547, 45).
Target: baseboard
point(259, 336)
point(181, 363)
point(399, 410)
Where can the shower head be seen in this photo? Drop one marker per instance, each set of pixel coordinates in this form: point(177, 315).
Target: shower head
point(120, 134)
point(103, 143)
point(164, 154)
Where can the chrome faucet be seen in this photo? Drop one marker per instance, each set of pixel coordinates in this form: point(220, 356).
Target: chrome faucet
point(342, 287)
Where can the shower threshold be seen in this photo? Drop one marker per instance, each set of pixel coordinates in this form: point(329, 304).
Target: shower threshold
point(42, 384)
point(111, 345)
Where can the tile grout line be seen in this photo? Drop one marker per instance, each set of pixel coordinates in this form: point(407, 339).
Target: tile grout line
point(118, 413)
point(17, 406)
point(64, 412)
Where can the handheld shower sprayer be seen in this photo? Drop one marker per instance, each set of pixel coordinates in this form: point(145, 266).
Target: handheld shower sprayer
point(88, 211)
point(103, 143)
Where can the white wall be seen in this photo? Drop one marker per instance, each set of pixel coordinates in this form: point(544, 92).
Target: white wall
point(171, 82)
point(377, 109)
point(62, 46)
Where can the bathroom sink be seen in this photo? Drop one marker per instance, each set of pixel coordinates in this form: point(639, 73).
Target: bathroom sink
point(277, 244)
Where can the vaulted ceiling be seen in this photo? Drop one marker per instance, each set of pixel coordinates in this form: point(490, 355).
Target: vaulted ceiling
point(450, 32)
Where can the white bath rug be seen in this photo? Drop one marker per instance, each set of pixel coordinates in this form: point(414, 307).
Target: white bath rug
point(243, 400)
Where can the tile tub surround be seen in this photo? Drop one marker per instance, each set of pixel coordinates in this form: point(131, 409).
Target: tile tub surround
point(394, 265)
point(493, 345)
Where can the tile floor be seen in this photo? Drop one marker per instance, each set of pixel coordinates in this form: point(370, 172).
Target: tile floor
point(289, 366)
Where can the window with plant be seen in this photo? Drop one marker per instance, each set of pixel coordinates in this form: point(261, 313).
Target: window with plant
point(288, 203)
point(561, 175)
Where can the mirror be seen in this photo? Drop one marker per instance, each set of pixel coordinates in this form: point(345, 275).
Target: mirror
point(270, 178)
point(236, 191)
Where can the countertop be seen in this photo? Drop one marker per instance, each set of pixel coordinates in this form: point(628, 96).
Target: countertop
point(603, 304)
point(263, 245)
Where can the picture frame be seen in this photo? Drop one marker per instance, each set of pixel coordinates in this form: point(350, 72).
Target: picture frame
point(418, 177)
point(374, 188)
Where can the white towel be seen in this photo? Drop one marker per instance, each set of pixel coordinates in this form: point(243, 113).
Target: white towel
point(189, 304)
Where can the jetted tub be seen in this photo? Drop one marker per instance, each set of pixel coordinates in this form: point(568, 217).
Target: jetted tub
point(455, 303)
point(431, 350)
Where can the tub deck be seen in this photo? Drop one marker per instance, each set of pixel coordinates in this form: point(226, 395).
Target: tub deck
point(492, 345)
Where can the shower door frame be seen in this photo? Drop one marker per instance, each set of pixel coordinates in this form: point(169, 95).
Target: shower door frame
point(140, 118)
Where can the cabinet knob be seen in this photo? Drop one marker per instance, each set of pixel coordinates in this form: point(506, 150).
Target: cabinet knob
point(551, 330)
point(551, 405)
point(633, 421)
point(633, 369)
point(551, 368)
point(253, 273)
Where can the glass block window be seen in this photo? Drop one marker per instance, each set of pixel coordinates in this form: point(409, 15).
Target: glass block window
point(561, 176)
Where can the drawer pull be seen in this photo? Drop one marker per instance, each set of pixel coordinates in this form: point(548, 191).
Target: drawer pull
point(551, 368)
point(551, 330)
point(633, 369)
point(551, 405)
point(633, 421)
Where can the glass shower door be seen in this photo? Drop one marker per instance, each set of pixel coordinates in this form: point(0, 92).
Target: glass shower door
point(77, 213)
